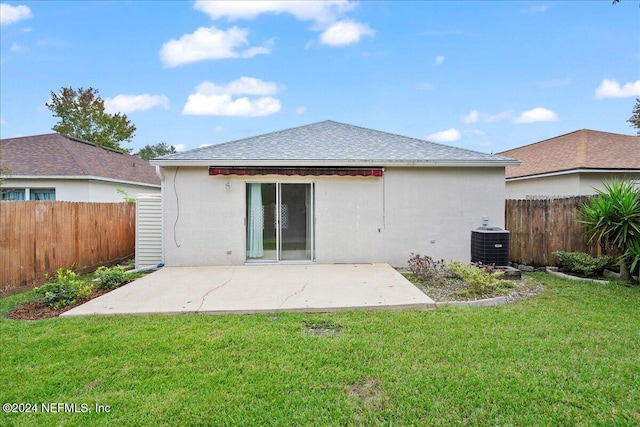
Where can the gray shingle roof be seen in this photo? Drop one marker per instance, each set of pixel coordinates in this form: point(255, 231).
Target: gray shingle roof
point(329, 142)
point(58, 155)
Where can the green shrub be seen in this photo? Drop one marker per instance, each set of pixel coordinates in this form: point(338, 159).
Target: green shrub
point(67, 289)
point(582, 264)
point(428, 270)
point(111, 278)
point(480, 281)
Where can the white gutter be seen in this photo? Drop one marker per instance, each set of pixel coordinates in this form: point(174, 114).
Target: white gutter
point(159, 173)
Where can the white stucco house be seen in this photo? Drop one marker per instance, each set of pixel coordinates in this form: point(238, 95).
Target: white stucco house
point(574, 164)
point(62, 168)
point(326, 192)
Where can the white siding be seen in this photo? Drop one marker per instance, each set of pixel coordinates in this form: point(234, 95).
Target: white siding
point(567, 185)
point(83, 190)
point(148, 230)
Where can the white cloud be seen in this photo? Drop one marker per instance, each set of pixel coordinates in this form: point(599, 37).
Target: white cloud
point(439, 59)
point(472, 117)
point(424, 86)
point(475, 116)
point(343, 33)
point(323, 13)
point(180, 147)
point(535, 9)
point(15, 47)
point(612, 89)
point(537, 115)
point(326, 16)
point(244, 85)
point(3, 122)
point(475, 132)
point(223, 105)
point(219, 128)
point(448, 135)
point(209, 43)
point(131, 103)
point(301, 110)
point(214, 100)
point(11, 14)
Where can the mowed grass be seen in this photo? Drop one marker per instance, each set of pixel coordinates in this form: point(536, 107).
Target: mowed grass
point(568, 357)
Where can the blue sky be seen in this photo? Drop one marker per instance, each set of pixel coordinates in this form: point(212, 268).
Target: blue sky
point(488, 76)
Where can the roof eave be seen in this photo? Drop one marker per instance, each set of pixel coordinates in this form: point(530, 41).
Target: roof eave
point(81, 178)
point(365, 163)
point(571, 171)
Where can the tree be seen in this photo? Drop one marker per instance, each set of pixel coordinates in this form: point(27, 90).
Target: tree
point(3, 171)
point(612, 217)
point(149, 152)
point(82, 116)
point(635, 116)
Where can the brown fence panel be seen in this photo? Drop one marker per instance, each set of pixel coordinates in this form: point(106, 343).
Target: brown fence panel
point(540, 227)
point(38, 237)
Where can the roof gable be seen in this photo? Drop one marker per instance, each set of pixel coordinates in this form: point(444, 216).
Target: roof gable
point(58, 155)
point(329, 142)
point(582, 149)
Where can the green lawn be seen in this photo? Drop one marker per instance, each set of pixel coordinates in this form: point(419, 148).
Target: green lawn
point(569, 357)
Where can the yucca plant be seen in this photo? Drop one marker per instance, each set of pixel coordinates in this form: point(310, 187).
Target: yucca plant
point(612, 217)
point(634, 258)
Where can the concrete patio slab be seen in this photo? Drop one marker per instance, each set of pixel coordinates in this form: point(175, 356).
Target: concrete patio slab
point(261, 288)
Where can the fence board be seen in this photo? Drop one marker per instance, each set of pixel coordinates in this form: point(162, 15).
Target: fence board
point(38, 237)
point(540, 227)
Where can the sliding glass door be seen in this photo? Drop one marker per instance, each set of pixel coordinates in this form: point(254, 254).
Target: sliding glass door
point(279, 222)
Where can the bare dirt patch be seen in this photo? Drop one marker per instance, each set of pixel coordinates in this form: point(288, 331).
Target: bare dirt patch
point(368, 393)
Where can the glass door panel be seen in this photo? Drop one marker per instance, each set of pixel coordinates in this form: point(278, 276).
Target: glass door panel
point(295, 221)
point(261, 222)
point(279, 219)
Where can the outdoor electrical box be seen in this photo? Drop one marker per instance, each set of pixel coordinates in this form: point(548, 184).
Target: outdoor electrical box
point(490, 245)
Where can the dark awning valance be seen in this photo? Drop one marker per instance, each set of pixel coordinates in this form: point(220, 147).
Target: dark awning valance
point(302, 171)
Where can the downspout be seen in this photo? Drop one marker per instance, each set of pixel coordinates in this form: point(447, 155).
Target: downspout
point(160, 174)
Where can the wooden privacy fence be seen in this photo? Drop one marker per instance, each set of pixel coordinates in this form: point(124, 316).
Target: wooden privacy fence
point(540, 227)
point(37, 238)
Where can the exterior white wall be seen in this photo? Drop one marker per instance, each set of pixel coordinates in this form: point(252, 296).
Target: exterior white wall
point(204, 220)
point(559, 185)
point(349, 219)
point(572, 184)
point(80, 190)
point(431, 211)
point(589, 181)
point(357, 219)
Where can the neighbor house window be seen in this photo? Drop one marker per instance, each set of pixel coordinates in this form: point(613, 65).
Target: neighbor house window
point(42, 194)
point(12, 194)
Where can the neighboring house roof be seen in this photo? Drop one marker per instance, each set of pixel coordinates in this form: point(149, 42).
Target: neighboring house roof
point(580, 150)
point(55, 155)
point(332, 143)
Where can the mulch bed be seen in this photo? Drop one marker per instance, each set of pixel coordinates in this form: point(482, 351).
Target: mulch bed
point(449, 291)
point(37, 310)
